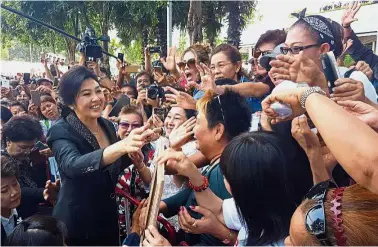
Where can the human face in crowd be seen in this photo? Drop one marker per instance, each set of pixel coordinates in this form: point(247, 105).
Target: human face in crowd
point(23, 98)
point(263, 48)
point(20, 150)
point(129, 92)
point(175, 117)
point(17, 110)
point(222, 67)
point(128, 122)
point(298, 233)
point(90, 100)
point(10, 194)
point(107, 95)
point(190, 70)
point(205, 137)
point(143, 82)
point(46, 84)
point(49, 110)
point(298, 36)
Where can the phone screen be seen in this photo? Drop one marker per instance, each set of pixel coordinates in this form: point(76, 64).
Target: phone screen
point(35, 97)
point(26, 78)
point(120, 56)
point(160, 112)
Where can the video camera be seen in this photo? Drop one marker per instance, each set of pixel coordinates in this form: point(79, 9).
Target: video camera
point(89, 45)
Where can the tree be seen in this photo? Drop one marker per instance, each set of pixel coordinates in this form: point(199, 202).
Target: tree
point(239, 12)
point(195, 22)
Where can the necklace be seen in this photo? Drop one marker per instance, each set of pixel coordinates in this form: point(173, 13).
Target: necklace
point(98, 130)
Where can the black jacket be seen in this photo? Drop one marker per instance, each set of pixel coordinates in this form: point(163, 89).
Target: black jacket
point(86, 201)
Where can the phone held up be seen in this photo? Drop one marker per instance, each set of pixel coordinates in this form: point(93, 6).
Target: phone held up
point(35, 97)
point(121, 57)
point(154, 49)
point(330, 69)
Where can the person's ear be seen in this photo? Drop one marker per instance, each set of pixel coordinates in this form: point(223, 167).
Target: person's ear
point(8, 143)
point(324, 48)
point(238, 66)
point(219, 131)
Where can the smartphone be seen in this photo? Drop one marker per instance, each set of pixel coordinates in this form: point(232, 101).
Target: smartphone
point(160, 112)
point(155, 49)
point(121, 56)
point(5, 83)
point(35, 97)
point(26, 78)
point(41, 146)
point(330, 69)
point(121, 102)
point(158, 69)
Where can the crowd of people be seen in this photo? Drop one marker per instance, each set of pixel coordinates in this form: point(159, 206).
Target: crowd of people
point(79, 149)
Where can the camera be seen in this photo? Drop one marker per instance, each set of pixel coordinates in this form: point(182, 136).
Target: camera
point(89, 45)
point(154, 49)
point(154, 91)
point(266, 59)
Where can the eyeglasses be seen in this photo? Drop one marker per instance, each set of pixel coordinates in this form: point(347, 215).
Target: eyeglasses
point(218, 66)
point(315, 219)
point(257, 53)
point(125, 125)
point(191, 62)
point(296, 49)
point(220, 105)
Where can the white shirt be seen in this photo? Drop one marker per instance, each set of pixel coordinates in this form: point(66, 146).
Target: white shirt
point(232, 220)
point(9, 223)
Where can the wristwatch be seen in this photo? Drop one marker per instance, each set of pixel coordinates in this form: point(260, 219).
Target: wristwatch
point(308, 92)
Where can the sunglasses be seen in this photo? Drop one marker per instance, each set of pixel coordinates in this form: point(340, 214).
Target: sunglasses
point(296, 49)
point(315, 220)
point(191, 62)
point(258, 53)
point(125, 125)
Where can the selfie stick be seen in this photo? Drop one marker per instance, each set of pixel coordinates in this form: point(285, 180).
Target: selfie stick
point(49, 26)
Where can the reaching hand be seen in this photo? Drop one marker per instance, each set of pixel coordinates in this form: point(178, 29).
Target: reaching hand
point(170, 61)
point(51, 190)
point(364, 68)
point(298, 69)
point(154, 238)
point(135, 222)
point(289, 97)
point(207, 224)
point(142, 97)
point(137, 159)
point(182, 134)
point(46, 152)
point(348, 89)
point(137, 139)
point(366, 113)
point(350, 13)
point(307, 139)
point(33, 109)
point(207, 78)
point(181, 99)
point(115, 93)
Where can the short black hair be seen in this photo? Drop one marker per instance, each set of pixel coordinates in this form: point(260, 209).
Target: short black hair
point(17, 103)
point(254, 166)
point(9, 167)
point(39, 81)
point(132, 87)
point(225, 81)
point(276, 36)
point(71, 82)
point(22, 128)
point(229, 109)
point(6, 114)
point(333, 26)
point(38, 230)
point(143, 72)
point(190, 113)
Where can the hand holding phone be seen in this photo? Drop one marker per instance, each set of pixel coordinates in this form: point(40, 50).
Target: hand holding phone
point(35, 97)
point(330, 68)
point(26, 78)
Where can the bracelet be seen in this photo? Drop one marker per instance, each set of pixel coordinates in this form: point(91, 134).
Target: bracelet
point(348, 26)
point(229, 238)
point(308, 92)
point(201, 188)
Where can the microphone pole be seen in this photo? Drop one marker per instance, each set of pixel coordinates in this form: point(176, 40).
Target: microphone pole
point(48, 26)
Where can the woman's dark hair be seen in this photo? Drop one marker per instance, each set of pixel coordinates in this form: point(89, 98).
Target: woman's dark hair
point(232, 54)
point(16, 103)
point(38, 230)
point(201, 52)
point(334, 27)
point(71, 82)
point(45, 97)
point(9, 167)
point(6, 114)
point(190, 113)
point(22, 128)
point(133, 88)
point(254, 166)
point(229, 109)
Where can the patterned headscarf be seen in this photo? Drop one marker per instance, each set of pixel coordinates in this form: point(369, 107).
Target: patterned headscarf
point(320, 24)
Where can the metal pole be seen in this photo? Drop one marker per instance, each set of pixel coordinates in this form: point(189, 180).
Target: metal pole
point(30, 52)
point(169, 24)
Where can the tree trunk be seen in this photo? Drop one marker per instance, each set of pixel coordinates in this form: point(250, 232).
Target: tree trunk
point(144, 40)
point(106, 11)
point(234, 23)
point(71, 49)
point(195, 22)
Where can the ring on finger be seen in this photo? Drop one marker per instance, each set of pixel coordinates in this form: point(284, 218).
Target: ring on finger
point(194, 223)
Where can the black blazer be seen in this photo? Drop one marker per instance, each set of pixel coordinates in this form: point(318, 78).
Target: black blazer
point(86, 201)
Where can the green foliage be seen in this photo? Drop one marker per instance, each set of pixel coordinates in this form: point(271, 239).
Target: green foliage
point(348, 61)
point(132, 52)
point(182, 43)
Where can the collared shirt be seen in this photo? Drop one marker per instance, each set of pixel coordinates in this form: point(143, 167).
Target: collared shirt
point(9, 223)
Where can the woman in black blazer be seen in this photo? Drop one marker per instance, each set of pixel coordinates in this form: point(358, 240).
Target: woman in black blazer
point(89, 158)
